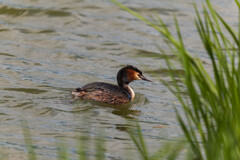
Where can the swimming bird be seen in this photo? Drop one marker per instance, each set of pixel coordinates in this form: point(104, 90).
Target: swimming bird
point(109, 93)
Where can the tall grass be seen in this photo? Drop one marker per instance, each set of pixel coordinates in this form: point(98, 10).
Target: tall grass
point(211, 121)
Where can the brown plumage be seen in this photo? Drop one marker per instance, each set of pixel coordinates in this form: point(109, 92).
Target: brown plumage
point(109, 93)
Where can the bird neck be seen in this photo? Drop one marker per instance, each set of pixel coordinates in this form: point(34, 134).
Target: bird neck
point(129, 90)
point(123, 83)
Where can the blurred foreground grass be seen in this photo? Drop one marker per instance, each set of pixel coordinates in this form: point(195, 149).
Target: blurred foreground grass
point(168, 151)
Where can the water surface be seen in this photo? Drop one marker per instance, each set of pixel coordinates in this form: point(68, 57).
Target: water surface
point(50, 48)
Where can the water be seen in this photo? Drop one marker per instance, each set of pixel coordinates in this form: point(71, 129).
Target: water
point(50, 48)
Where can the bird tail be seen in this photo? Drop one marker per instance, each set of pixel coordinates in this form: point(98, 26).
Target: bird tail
point(78, 92)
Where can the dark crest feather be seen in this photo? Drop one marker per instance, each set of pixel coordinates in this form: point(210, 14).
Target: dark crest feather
point(133, 68)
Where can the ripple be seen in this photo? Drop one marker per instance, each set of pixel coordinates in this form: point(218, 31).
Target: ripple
point(109, 44)
point(15, 12)
point(26, 90)
point(149, 54)
point(7, 54)
point(24, 105)
point(164, 11)
point(36, 32)
point(47, 111)
point(164, 71)
point(3, 30)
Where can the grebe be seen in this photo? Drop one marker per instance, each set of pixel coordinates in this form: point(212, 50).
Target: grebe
point(109, 93)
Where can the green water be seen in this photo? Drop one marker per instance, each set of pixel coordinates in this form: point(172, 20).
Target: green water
point(48, 48)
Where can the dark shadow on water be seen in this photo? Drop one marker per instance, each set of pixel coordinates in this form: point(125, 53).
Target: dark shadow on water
point(124, 127)
point(138, 53)
point(26, 90)
point(7, 54)
point(14, 12)
point(161, 11)
point(165, 72)
point(120, 110)
point(126, 113)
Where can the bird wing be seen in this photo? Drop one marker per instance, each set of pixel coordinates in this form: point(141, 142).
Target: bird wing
point(104, 92)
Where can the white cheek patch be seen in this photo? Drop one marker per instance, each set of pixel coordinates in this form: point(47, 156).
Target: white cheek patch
point(137, 77)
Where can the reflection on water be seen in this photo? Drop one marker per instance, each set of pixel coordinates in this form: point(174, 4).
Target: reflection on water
point(49, 48)
point(26, 90)
point(124, 110)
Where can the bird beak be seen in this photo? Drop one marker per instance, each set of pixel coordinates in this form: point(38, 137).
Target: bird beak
point(145, 79)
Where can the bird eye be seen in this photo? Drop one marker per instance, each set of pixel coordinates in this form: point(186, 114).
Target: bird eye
point(139, 75)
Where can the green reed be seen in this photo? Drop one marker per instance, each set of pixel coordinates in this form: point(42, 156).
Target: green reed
point(211, 121)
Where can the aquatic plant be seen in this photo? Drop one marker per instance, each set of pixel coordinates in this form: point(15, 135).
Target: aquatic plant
point(212, 106)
